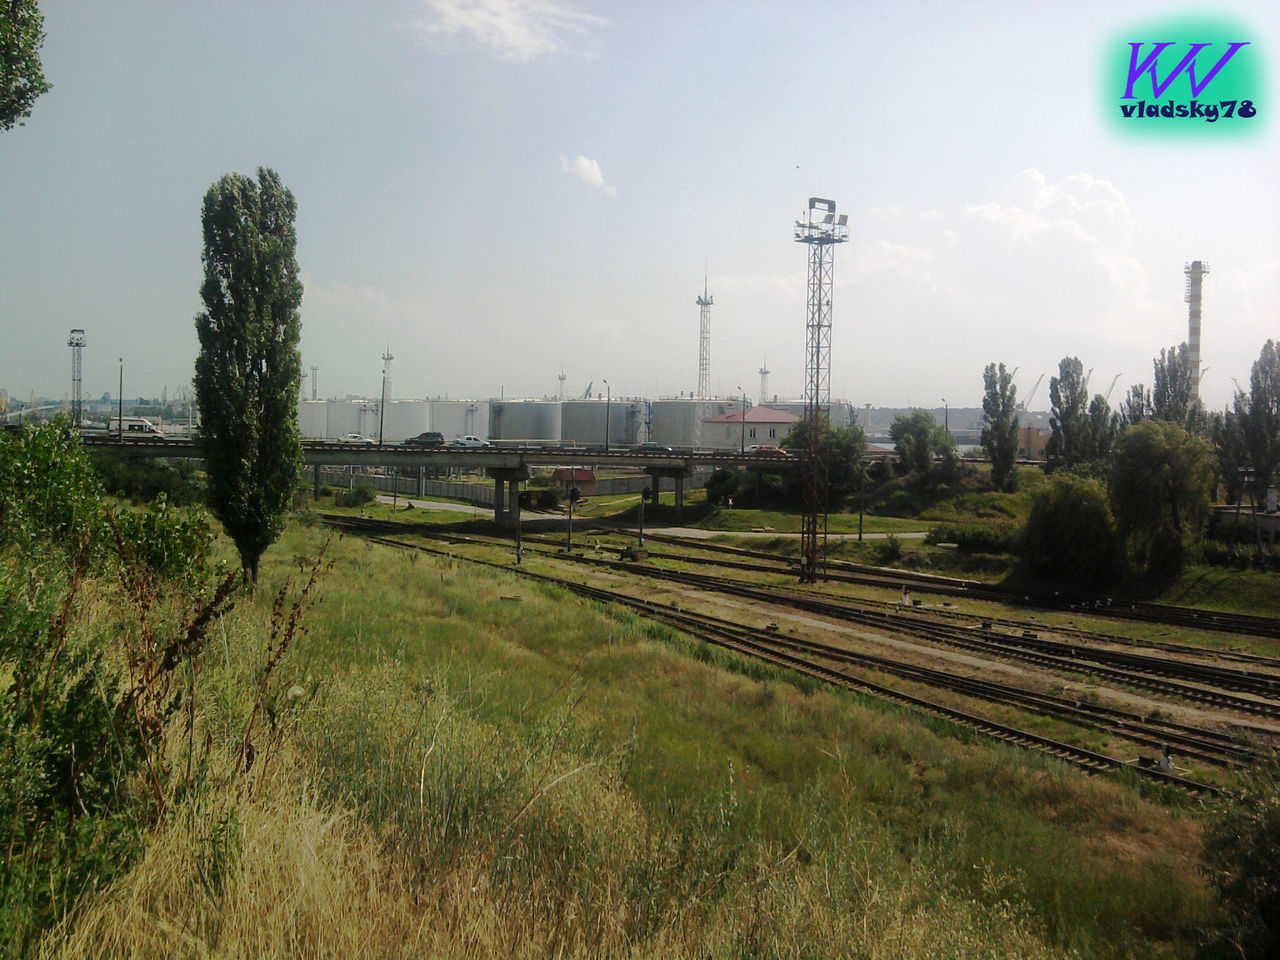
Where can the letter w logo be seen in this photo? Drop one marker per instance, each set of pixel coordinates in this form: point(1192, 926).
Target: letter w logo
point(1188, 64)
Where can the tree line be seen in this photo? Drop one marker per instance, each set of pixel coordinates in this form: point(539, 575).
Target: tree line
point(1154, 464)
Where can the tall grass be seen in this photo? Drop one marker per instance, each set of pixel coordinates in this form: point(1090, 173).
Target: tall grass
point(466, 764)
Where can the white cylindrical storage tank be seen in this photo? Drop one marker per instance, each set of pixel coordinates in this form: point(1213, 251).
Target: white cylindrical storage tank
point(460, 418)
point(312, 424)
point(343, 417)
point(841, 411)
point(525, 420)
point(677, 422)
point(404, 419)
point(582, 422)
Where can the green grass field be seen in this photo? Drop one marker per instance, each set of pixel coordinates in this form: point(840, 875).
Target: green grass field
point(475, 765)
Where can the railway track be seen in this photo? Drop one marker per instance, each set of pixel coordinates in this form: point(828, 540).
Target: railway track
point(1167, 677)
point(889, 580)
point(1208, 684)
point(800, 656)
point(1107, 607)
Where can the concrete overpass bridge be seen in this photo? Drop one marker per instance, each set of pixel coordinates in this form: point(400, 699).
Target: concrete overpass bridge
point(506, 465)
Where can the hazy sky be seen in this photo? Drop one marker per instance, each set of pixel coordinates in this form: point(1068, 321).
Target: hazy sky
point(501, 189)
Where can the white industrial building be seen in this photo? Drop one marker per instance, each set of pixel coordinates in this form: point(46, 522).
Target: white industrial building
point(762, 427)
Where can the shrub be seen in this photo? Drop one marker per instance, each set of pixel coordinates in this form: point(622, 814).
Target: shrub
point(1242, 853)
point(977, 537)
point(358, 496)
point(889, 550)
point(1070, 536)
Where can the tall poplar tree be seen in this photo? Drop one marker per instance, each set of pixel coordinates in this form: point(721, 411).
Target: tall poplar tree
point(1068, 414)
point(1000, 435)
point(21, 75)
point(249, 371)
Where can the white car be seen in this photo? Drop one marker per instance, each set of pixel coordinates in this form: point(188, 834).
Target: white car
point(355, 438)
point(469, 441)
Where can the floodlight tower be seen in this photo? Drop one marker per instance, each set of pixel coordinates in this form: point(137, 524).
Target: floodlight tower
point(386, 390)
point(821, 236)
point(76, 343)
point(314, 369)
point(562, 378)
point(704, 341)
point(764, 372)
point(1195, 273)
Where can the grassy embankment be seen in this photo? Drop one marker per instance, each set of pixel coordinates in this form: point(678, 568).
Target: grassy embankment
point(466, 764)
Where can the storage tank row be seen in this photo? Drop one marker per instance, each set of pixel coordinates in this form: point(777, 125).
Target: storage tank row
point(673, 422)
point(334, 419)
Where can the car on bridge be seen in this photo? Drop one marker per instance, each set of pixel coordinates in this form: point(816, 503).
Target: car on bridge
point(764, 450)
point(469, 441)
point(356, 438)
point(432, 438)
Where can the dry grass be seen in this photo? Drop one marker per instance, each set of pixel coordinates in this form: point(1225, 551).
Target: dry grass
point(450, 774)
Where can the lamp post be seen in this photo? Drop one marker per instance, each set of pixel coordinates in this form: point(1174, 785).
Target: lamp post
point(743, 447)
point(608, 402)
point(120, 401)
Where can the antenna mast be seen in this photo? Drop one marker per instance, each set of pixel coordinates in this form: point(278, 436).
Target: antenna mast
point(704, 340)
point(821, 236)
point(76, 343)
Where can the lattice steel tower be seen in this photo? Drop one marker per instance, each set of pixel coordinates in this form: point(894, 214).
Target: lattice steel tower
point(821, 236)
point(1195, 272)
point(704, 341)
point(764, 372)
point(76, 343)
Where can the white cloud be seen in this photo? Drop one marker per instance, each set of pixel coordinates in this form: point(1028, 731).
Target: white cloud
point(517, 30)
point(586, 170)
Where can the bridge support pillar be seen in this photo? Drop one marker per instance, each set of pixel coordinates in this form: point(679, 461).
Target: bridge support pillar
point(315, 491)
point(506, 494)
point(678, 475)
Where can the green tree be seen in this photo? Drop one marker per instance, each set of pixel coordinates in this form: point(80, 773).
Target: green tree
point(1259, 420)
point(1100, 429)
point(1068, 414)
point(1173, 391)
point(1136, 405)
point(919, 439)
point(248, 372)
point(21, 74)
point(1070, 536)
point(842, 450)
point(1161, 491)
point(1000, 435)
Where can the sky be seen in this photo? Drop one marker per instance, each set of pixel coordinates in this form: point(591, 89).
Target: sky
point(499, 191)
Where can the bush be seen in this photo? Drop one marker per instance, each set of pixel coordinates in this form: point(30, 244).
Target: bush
point(358, 496)
point(889, 551)
point(1242, 852)
point(102, 617)
point(977, 537)
point(144, 481)
point(1070, 536)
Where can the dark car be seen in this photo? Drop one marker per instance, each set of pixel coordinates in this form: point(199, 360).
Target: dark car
point(432, 438)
